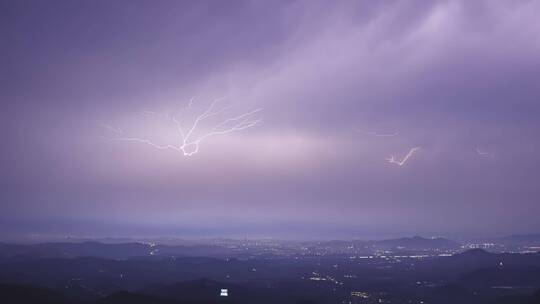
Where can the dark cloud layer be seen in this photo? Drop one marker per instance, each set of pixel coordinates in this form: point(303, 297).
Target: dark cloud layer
point(452, 77)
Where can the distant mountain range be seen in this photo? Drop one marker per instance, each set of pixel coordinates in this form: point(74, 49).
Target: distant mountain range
point(134, 250)
point(418, 243)
point(236, 248)
point(109, 251)
point(406, 243)
point(517, 239)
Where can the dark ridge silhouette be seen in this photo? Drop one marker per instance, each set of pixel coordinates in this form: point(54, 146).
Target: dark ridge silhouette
point(202, 289)
point(71, 250)
point(454, 293)
point(206, 290)
point(519, 299)
point(505, 277)
point(124, 297)
point(22, 294)
point(109, 251)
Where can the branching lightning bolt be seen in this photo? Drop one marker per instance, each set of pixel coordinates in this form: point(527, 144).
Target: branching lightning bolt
point(188, 143)
point(392, 159)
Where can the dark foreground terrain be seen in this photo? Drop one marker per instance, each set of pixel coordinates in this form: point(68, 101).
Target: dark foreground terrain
point(408, 270)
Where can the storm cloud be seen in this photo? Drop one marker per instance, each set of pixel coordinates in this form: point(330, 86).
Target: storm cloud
point(450, 77)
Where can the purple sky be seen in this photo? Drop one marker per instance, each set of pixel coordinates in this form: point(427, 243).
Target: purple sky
point(449, 77)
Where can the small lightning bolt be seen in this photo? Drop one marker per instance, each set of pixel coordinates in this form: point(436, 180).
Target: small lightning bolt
point(377, 134)
point(189, 144)
point(392, 159)
point(111, 128)
point(484, 154)
point(152, 113)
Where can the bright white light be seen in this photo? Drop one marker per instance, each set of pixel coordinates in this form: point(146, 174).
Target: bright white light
point(189, 143)
point(392, 159)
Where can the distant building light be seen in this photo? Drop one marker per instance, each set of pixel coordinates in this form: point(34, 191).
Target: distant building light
point(360, 294)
